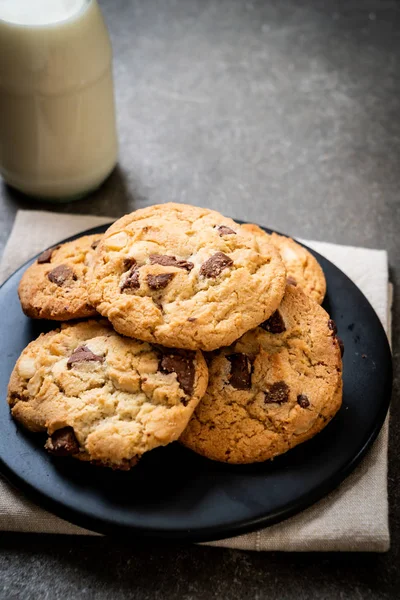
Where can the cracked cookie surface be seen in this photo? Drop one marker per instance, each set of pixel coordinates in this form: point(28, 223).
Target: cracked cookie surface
point(102, 397)
point(53, 287)
point(276, 387)
point(184, 277)
point(302, 267)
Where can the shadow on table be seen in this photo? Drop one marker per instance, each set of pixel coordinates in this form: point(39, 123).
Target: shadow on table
point(113, 198)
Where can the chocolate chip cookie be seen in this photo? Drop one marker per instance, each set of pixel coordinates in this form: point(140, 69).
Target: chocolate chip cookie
point(184, 277)
point(302, 267)
point(276, 387)
point(102, 397)
point(54, 286)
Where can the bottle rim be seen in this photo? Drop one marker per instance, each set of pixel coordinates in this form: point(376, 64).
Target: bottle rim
point(85, 6)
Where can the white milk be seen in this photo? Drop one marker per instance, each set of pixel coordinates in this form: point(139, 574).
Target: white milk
point(57, 116)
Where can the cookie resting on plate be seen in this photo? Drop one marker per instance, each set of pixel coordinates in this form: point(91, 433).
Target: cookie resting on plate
point(302, 267)
point(276, 387)
point(102, 397)
point(184, 276)
point(53, 287)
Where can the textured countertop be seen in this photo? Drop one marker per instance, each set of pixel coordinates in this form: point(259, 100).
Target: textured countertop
point(285, 113)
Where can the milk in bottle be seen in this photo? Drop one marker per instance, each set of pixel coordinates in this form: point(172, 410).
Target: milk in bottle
point(57, 116)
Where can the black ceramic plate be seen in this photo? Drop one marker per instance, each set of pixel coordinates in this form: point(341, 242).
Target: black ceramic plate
point(175, 494)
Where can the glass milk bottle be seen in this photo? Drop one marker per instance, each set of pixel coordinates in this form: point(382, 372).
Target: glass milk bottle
point(57, 117)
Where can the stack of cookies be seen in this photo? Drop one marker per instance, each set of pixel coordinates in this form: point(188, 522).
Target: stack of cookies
point(186, 326)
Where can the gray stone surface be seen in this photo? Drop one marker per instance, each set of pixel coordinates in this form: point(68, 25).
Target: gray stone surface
point(285, 113)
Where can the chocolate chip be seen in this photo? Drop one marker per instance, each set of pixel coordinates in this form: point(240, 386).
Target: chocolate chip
point(182, 364)
point(59, 275)
point(170, 261)
point(129, 262)
point(83, 354)
point(130, 279)
point(240, 375)
point(45, 257)
point(191, 319)
point(277, 392)
point(303, 401)
point(224, 230)
point(215, 265)
point(159, 282)
point(275, 324)
point(94, 244)
point(63, 442)
point(332, 326)
point(157, 302)
point(291, 280)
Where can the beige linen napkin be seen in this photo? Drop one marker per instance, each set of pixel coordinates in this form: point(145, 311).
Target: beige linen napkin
point(352, 518)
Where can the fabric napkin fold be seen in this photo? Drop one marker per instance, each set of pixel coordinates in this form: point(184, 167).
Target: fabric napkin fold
point(352, 518)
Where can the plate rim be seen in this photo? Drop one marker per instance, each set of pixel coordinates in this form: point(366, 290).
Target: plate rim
point(211, 533)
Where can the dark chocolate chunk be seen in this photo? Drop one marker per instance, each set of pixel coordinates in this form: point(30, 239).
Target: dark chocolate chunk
point(215, 265)
point(170, 261)
point(275, 324)
point(63, 442)
point(224, 230)
point(61, 274)
point(130, 280)
point(303, 401)
point(159, 282)
point(45, 257)
point(277, 392)
point(240, 375)
point(94, 244)
point(341, 345)
point(332, 326)
point(182, 364)
point(83, 354)
point(291, 280)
